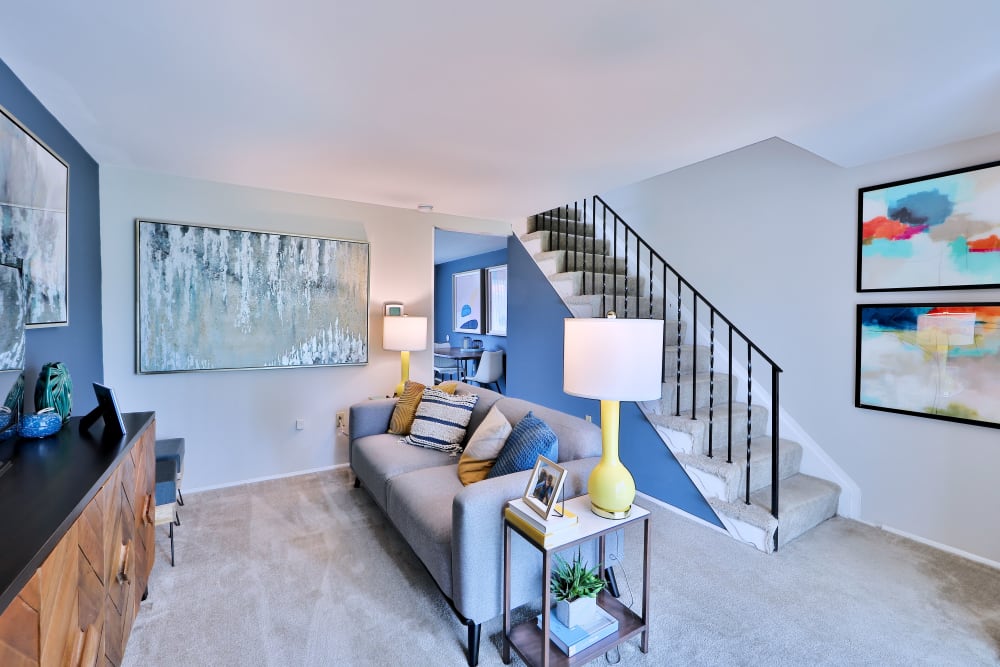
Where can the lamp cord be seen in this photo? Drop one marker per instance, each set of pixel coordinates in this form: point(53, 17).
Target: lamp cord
point(631, 597)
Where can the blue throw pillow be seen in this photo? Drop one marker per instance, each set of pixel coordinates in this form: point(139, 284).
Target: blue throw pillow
point(530, 438)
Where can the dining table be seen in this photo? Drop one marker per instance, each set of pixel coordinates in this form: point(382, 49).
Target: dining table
point(462, 354)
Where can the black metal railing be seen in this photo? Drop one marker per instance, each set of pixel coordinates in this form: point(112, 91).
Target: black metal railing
point(635, 281)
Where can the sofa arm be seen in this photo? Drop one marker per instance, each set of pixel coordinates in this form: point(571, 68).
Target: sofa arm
point(477, 537)
point(371, 417)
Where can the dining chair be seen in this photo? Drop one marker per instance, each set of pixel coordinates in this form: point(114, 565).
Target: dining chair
point(445, 368)
point(489, 370)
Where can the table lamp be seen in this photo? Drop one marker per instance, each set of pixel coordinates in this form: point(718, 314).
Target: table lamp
point(404, 334)
point(612, 360)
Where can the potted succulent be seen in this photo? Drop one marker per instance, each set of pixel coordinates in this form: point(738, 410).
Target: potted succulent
point(575, 587)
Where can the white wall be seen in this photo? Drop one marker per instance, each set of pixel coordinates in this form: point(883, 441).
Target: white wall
point(240, 425)
point(769, 233)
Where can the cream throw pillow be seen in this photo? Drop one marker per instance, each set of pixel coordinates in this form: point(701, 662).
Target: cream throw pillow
point(484, 445)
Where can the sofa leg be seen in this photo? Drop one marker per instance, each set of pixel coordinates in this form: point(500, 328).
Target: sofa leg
point(475, 629)
point(357, 482)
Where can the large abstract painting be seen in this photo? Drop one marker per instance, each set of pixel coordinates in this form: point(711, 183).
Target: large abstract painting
point(12, 312)
point(467, 301)
point(34, 200)
point(931, 360)
point(212, 299)
point(935, 232)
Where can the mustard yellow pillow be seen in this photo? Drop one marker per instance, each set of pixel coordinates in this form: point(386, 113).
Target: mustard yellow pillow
point(484, 446)
point(448, 387)
point(406, 408)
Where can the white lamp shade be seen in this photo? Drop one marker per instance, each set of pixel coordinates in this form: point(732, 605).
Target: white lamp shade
point(613, 359)
point(404, 333)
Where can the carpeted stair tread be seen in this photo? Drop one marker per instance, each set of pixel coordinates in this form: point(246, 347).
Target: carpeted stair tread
point(687, 355)
point(718, 384)
point(804, 501)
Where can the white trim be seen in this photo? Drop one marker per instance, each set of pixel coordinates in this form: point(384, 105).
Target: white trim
point(936, 545)
point(678, 511)
point(267, 478)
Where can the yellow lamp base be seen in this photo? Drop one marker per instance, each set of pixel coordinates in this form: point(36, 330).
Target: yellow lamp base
point(611, 487)
point(610, 514)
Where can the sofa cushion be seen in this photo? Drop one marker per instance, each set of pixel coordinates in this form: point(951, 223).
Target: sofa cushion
point(419, 506)
point(441, 420)
point(578, 439)
point(376, 459)
point(528, 440)
point(484, 446)
point(406, 408)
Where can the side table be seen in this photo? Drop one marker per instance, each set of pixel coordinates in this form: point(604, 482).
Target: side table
point(533, 643)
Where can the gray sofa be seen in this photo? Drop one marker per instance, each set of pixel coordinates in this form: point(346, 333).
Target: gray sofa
point(455, 530)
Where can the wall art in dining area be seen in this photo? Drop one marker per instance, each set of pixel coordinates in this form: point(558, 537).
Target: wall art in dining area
point(934, 232)
point(467, 301)
point(34, 205)
point(939, 360)
point(211, 298)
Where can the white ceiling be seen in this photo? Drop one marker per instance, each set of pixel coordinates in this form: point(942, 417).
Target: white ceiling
point(498, 109)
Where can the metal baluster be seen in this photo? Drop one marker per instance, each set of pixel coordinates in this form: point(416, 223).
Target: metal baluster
point(729, 399)
point(694, 358)
point(576, 234)
point(711, 378)
point(749, 411)
point(604, 259)
point(677, 380)
point(625, 276)
point(775, 448)
point(650, 287)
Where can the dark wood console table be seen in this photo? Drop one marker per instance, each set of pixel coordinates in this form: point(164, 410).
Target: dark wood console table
point(76, 542)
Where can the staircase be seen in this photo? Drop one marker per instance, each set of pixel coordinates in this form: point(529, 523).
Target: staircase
point(717, 414)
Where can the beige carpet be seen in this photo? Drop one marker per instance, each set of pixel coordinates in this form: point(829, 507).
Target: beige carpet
point(307, 571)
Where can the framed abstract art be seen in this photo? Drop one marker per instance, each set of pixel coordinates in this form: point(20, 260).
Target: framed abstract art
point(34, 214)
point(937, 360)
point(211, 298)
point(933, 232)
point(467, 301)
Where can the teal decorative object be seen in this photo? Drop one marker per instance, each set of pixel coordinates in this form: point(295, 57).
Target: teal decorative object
point(40, 425)
point(54, 389)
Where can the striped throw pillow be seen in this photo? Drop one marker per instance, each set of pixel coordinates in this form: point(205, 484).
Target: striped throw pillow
point(441, 420)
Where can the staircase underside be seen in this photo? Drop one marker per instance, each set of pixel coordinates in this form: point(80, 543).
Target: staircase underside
point(590, 283)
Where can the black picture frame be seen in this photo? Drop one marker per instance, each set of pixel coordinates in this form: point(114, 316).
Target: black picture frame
point(929, 261)
point(107, 408)
point(942, 370)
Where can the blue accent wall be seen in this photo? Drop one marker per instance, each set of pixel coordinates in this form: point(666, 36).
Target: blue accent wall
point(79, 344)
point(535, 317)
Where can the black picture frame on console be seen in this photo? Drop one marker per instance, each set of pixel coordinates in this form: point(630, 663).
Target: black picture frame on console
point(107, 408)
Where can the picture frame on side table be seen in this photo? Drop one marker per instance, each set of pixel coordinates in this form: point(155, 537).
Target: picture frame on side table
point(934, 232)
point(935, 360)
point(544, 486)
point(467, 301)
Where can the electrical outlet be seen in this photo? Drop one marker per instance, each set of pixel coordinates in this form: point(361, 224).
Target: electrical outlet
point(588, 417)
point(300, 424)
point(341, 420)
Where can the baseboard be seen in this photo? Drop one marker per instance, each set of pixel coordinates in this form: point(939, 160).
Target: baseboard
point(268, 478)
point(680, 512)
point(937, 545)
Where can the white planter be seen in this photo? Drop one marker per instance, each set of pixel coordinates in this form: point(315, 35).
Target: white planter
point(577, 612)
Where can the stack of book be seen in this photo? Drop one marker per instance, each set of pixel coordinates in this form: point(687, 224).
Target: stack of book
point(541, 531)
point(575, 639)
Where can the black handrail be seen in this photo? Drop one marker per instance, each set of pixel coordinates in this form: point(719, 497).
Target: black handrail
point(627, 288)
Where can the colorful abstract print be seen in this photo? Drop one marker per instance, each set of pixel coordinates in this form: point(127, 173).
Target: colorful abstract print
point(932, 360)
point(936, 232)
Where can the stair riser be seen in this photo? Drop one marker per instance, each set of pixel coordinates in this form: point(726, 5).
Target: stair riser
point(687, 359)
point(719, 392)
point(562, 226)
point(789, 462)
point(720, 431)
point(577, 243)
point(609, 283)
